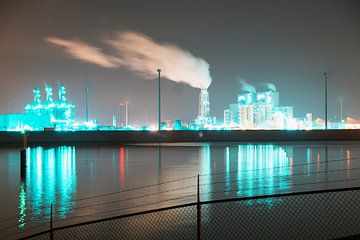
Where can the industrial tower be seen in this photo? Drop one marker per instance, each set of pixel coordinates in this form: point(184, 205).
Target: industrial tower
point(204, 117)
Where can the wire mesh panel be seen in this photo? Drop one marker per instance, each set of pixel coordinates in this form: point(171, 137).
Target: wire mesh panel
point(327, 214)
point(177, 223)
point(23, 233)
point(44, 236)
point(315, 216)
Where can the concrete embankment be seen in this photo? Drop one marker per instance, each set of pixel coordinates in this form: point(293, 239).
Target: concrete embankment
point(131, 137)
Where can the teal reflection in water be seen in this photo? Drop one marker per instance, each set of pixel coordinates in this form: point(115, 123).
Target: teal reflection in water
point(22, 205)
point(262, 170)
point(245, 170)
point(308, 161)
point(227, 162)
point(50, 179)
point(205, 168)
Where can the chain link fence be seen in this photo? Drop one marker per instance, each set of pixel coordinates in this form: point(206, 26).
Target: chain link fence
point(326, 214)
point(174, 223)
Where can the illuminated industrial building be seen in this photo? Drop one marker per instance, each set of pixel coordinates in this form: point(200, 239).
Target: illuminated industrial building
point(258, 110)
point(42, 114)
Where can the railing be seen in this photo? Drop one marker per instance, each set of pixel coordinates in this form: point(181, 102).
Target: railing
point(179, 213)
point(325, 214)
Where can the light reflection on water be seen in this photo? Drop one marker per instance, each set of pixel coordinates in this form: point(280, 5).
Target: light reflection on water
point(50, 180)
point(22, 205)
point(249, 170)
point(63, 175)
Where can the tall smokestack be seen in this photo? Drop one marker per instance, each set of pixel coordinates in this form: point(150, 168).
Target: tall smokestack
point(204, 104)
point(204, 108)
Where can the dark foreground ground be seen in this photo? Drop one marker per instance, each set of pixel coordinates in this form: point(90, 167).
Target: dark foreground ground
point(133, 137)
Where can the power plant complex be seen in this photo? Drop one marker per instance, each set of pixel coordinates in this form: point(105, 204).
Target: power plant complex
point(258, 110)
point(252, 110)
point(42, 114)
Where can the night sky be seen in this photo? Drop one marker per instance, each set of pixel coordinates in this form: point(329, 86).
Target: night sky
point(288, 43)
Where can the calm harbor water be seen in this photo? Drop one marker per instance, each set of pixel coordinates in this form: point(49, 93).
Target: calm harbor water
point(86, 183)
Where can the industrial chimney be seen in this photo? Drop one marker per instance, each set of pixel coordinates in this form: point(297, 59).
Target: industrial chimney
point(204, 117)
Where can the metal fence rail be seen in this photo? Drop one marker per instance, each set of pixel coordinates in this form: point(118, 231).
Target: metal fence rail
point(324, 214)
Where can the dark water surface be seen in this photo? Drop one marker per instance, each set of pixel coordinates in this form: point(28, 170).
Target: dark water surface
point(86, 183)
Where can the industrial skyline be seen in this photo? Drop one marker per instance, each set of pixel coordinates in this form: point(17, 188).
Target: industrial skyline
point(251, 110)
point(175, 119)
point(287, 43)
point(248, 99)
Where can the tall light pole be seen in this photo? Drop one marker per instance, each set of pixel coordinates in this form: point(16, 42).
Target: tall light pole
point(126, 113)
point(8, 106)
point(146, 114)
point(326, 107)
point(159, 101)
point(341, 109)
point(86, 105)
point(121, 114)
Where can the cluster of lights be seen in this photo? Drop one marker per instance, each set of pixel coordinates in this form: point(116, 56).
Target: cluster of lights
point(253, 110)
point(261, 111)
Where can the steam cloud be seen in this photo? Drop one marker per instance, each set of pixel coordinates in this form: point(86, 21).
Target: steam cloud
point(270, 87)
point(246, 87)
point(143, 55)
point(86, 52)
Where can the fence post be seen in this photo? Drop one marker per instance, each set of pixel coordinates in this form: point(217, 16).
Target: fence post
point(198, 209)
point(25, 140)
point(23, 158)
point(23, 164)
point(51, 223)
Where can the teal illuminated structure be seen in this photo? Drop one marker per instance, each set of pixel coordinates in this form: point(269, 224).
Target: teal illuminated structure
point(258, 110)
point(50, 113)
point(39, 115)
point(252, 110)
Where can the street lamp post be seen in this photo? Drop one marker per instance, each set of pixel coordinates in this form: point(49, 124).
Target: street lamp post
point(146, 114)
point(341, 109)
point(159, 101)
point(86, 105)
point(121, 114)
point(8, 106)
point(326, 103)
point(126, 113)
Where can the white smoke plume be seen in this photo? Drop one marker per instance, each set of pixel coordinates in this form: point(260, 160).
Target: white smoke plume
point(85, 52)
point(246, 87)
point(271, 87)
point(143, 55)
point(140, 53)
